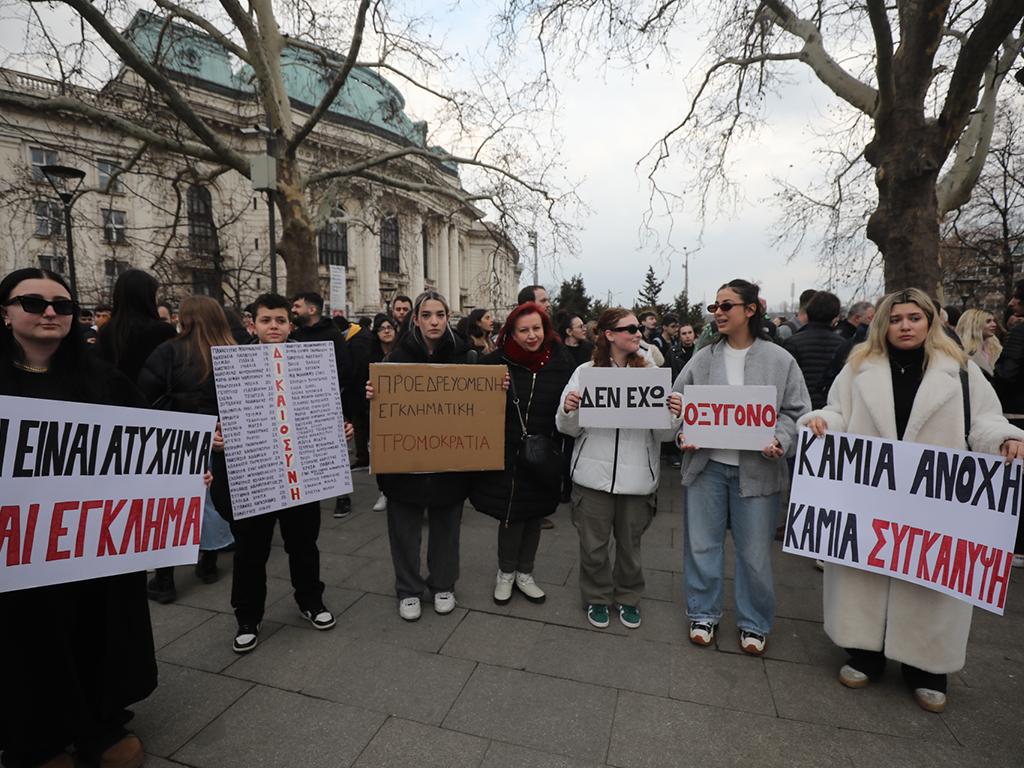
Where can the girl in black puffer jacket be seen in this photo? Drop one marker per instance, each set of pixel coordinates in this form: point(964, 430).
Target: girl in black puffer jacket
point(540, 367)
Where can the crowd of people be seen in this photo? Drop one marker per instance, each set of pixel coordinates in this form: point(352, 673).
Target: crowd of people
point(86, 647)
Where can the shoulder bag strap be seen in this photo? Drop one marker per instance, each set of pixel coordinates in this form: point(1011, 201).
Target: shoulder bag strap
point(965, 387)
point(515, 400)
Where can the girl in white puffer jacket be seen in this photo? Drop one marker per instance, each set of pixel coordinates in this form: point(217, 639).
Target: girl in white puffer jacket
point(615, 478)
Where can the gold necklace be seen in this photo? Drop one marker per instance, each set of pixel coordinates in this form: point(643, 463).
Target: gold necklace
point(29, 368)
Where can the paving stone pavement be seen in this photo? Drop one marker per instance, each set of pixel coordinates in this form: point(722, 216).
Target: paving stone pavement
point(523, 685)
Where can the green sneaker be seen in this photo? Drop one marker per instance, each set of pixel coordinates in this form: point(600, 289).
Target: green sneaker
point(597, 614)
point(629, 615)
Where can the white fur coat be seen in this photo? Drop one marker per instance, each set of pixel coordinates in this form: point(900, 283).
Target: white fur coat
point(912, 624)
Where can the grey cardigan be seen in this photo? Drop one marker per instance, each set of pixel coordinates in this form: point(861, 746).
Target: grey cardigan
point(766, 363)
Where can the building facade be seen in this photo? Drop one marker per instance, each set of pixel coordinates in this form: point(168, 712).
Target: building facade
point(204, 230)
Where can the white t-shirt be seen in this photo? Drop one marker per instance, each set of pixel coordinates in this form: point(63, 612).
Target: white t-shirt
point(734, 360)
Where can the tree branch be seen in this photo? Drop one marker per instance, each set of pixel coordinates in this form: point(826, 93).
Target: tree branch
point(954, 188)
point(828, 70)
point(995, 25)
point(883, 47)
point(338, 83)
point(67, 104)
point(195, 19)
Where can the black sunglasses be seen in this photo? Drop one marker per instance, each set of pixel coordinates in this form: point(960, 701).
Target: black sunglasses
point(725, 306)
point(36, 305)
point(630, 329)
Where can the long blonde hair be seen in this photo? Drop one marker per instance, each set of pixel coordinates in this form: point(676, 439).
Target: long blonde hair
point(203, 325)
point(971, 330)
point(935, 342)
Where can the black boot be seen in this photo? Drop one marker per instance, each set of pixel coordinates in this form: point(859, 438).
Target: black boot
point(206, 568)
point(161, 587)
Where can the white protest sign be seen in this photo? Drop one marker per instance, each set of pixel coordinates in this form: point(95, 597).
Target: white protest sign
point(628, 398)
point(284, 434)
point(937, 517)
point(725, 416)
point(97, 490)
point(338, 279)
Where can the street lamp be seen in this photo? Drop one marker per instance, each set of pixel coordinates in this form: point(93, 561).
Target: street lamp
point(387, 295)
point(65, 181)
point(966, 286)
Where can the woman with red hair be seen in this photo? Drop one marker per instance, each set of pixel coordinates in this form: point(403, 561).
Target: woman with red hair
point(521, 495)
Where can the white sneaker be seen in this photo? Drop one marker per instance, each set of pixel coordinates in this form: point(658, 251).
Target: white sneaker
point(529, 588)
point(409, 608)
point(381, 504)
point(503, 587)
point(444, 602)
point(1018, 561)
point(852, 678)
point(929, 700)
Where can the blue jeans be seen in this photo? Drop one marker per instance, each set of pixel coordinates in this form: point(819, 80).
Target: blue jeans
point(712, 500)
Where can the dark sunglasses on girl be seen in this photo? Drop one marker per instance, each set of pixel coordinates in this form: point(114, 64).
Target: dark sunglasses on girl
point(36, 305)
point(725, 306)
point(630, 329)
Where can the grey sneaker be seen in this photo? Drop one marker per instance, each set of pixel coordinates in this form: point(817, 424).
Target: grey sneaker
point(409, 608)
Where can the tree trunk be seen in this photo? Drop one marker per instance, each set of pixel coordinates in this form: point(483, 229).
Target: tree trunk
point(905, 224)
point(297, 243)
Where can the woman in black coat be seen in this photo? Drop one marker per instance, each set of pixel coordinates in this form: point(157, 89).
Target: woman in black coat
point(135, 328)
point(540, 367)
point(440, 494)
point(178, 376)
point(77, 654)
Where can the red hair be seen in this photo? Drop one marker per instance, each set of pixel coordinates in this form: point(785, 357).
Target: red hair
point(527, 308)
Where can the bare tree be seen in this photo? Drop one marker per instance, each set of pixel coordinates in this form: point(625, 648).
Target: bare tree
point(256, 36)
point(920, 81)
point(985, 239)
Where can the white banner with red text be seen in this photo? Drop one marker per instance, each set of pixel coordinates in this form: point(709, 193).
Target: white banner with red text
point(941, 518)
point(97, 490)
point(726, 416)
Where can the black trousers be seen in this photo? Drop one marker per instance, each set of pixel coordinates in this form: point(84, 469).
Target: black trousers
point(872, 664)
point(517, 545)
point(300, 527)
point(405, 532)
point(361, 439)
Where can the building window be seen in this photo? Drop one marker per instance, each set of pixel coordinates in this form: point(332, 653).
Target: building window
point(115, 226)
point(389, 261)
point(49, 218)
point(113, 268)
point(53, 262)
point(206, 282)
point(108, 172)
point(426, 252)
point(332, 244)
point(41, 157)
point(202, 233)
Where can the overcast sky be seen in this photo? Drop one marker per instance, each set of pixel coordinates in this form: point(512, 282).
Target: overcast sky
point(608, 118)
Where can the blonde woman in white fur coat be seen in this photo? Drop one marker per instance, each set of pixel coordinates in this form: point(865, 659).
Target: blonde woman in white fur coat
point(903, 383)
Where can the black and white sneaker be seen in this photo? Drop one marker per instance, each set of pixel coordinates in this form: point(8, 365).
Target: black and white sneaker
point(246, 638)
point(342, 507)
point(320, 618)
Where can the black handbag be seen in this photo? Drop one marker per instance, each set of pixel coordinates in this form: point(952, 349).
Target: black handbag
point(538, 456)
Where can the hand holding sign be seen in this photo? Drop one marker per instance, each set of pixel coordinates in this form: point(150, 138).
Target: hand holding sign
point(572, 401)
point(1012, 449)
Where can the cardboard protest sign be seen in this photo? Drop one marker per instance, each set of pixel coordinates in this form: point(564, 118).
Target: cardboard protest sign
point(338, 298)
point(96, 490)
point(627, 398)
point(284, 433)
point(725, 416)
point(937, 517)
point(437, 418)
